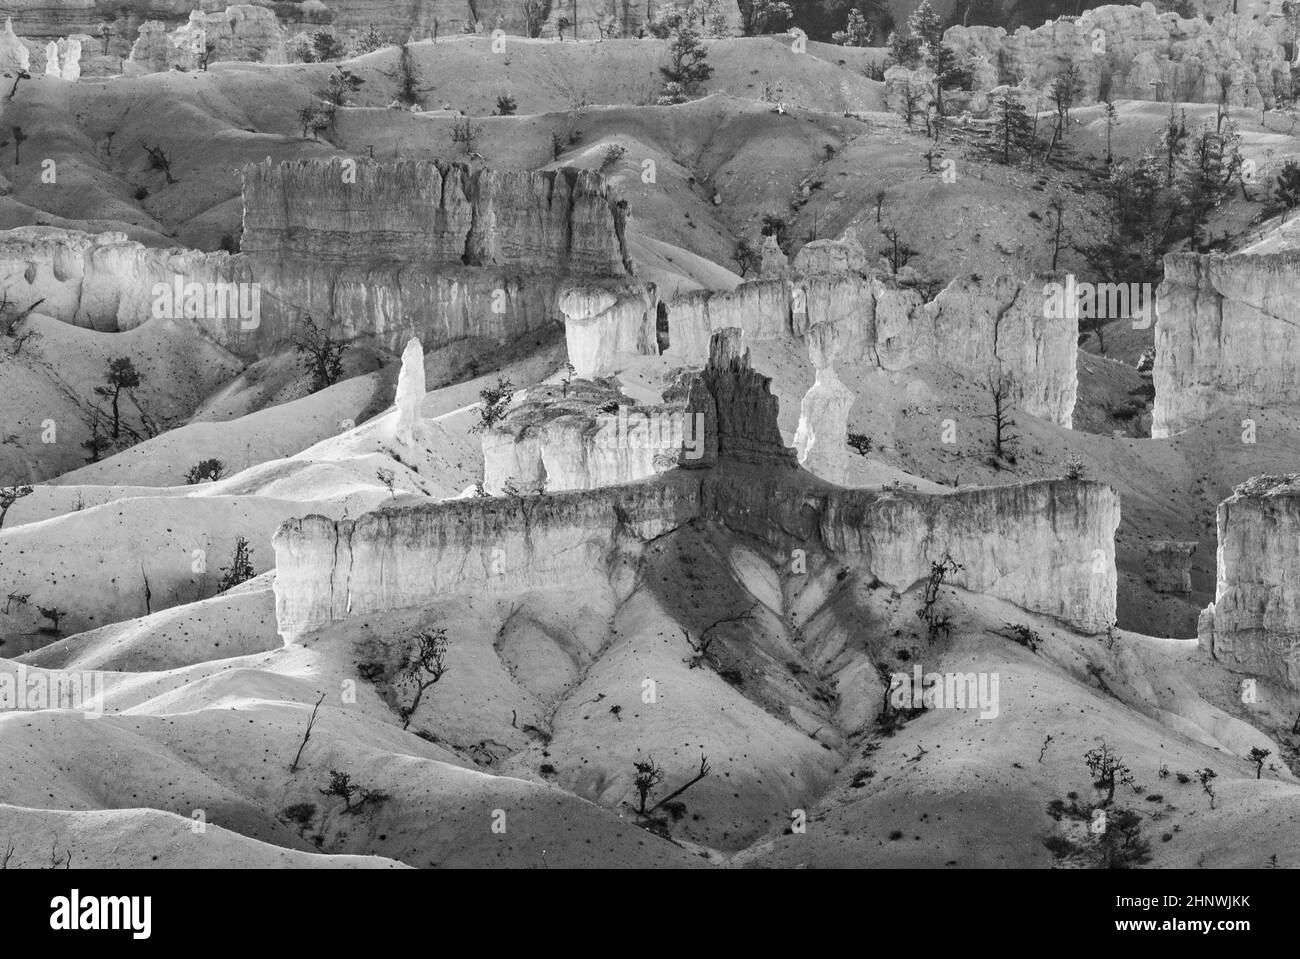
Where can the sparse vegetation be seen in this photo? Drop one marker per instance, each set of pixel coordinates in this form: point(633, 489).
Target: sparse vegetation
point(240, 569)
point(425, 665)
point(209, 470)
point(496, 401)
point(321, 354)
point(355, 798)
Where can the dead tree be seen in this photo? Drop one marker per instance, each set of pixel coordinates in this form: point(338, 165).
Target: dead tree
point(701, 648)
point(704, 771)
point(159, 160)
point(425, 666)
point(1001, 388)
point(311, 721)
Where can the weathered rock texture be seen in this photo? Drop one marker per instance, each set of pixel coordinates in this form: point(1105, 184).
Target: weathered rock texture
point(14, 55)
point(824, 413)
point(1254, 621)
point(975, 327)
point(410, 392)
point(1168, 566)
point(1048, 546)
point(599, 326)
point(1226, 337)
point(1139, 54)
point(412, 249)
point(240, 32)
point(414, 20)
point(436, 213)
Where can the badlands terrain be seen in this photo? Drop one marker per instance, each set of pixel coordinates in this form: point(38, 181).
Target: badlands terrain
point(676, 437)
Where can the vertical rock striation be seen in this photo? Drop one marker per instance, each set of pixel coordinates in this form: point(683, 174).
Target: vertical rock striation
point(1226, 337)
point(1254, 622)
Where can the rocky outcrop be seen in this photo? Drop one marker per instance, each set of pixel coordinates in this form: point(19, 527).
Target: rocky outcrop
point(773, 263)
point(1048, 546)
point(1168, 566)
point(483, 255)
point(845, 255)
point(1254, 622)
point(243, 32)
point(410, 392)
point(1133, 52)
point(975, 327)
point(824, 413)
point(600, 325)
point(1225, 337)
point(738, 408)
point(328, 570)
point(14, 55)
point(417, 20)
point(435, 213)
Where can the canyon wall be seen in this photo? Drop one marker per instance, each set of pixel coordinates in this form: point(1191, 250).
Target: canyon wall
point(1048, 546)
point(416, 20)
point(1133, 52)
point(106, 282)
point(435, 213)
point(242, 32)
point(1254, 622)
point(328, 570)
point(410, 249)
point(974, 327)
point(1225, 337)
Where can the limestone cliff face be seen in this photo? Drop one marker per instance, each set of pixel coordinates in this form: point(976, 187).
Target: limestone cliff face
point(599, 325)
point(1138, 54)
point(327, 570)
point(1048, 546)
point(1254, 622)
point(243, 32)
point(435, 213)
point(1225, 336)
point(975, 327)
point(1001, 535)
point(418, 19)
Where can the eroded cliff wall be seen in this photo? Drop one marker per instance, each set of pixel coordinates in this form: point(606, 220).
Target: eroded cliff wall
point(1226, 337)
point(974, 326)
point(417, 20)
point(107, 282)
point(435, 213)
point(1048, 546)
point(1133, 52)
point(1254, 622)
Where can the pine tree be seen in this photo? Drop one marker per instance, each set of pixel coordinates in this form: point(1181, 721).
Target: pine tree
point(1014, 129)
point(687, 67)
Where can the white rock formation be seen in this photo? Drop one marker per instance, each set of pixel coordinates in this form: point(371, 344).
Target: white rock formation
point(1133, 52)
point(773, 263)
point(410, 392)
point(1254, 622)
point(1048, 546)
point(845, 255)
point(52, 59)
point(823, 423)
point(1226, 337)
point(824, 411)
point(14, 55)
point(70, 59)
point(973, 327)
point(600, 324)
